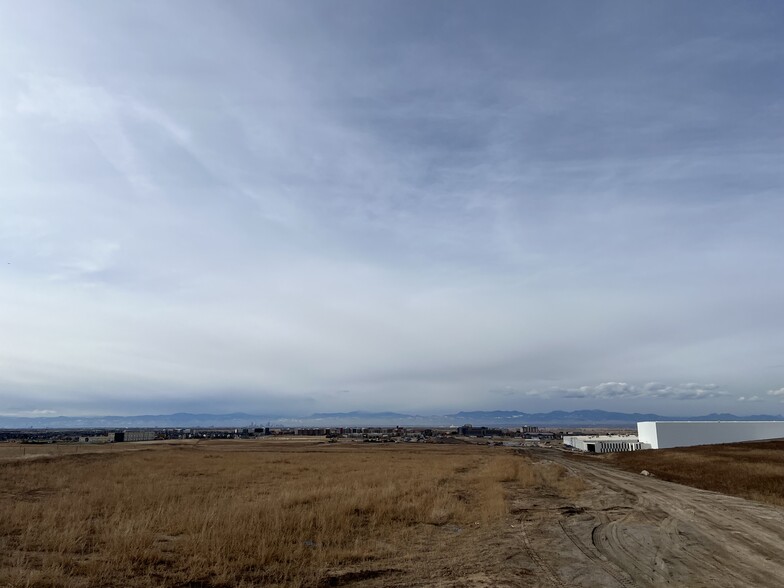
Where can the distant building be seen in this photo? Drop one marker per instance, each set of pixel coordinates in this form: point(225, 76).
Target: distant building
point(313, 432)
point(126, 436)
point(602, 443)
point(471, 431)
point(665, 434)
point(94, 439)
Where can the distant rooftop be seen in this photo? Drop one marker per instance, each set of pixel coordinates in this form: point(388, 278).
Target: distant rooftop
point(606, 437)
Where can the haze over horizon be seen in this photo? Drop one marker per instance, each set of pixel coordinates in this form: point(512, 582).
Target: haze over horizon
point(420, 207)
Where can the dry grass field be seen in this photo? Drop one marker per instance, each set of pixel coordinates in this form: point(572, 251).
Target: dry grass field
point(255, 513)
point(748, 470)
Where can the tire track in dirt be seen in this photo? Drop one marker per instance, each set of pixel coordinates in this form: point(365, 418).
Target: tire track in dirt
point(550, 575)
point(696, 514)
point(595, 556)
point(647, 532)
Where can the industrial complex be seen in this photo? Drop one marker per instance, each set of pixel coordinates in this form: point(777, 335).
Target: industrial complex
point(602, 443)
point(666, 434)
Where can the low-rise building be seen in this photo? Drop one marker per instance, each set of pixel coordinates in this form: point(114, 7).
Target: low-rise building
point(125, 436)
point(94, 439)
point(603, 443)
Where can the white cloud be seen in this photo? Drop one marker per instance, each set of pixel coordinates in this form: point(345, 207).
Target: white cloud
point(754, 398)
point(651, 390)
point(95, 256)
point(777, 393)
point(37, 412)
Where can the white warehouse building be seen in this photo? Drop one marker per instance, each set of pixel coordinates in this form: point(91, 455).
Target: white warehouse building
point(602, 443)
point(665, 434)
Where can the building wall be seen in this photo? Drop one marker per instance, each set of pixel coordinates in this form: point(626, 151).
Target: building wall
point(665, 434)
point(95, 439)
point(648, 434)
point(602, 445)
point(614, 446)
point(134, 436)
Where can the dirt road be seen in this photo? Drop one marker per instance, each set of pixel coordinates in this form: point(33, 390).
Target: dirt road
point(631, 530)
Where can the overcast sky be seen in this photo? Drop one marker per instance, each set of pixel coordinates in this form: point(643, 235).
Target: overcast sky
point(417, 206)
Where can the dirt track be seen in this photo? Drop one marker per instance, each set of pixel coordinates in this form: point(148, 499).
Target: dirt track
point(631, 530)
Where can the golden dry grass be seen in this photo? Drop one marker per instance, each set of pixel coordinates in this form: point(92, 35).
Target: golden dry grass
point(749, 470)
point(243, 513)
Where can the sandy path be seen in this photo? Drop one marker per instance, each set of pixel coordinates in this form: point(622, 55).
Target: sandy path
point(631, 530)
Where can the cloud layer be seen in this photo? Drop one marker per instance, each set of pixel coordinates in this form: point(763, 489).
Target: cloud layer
point(390, 206)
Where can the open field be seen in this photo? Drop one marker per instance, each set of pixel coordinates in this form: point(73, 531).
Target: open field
point(752, 470)
point(278, 513)
point(257, 513)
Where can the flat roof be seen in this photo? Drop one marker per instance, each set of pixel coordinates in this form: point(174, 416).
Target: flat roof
point(604, 437)
point(710, 422)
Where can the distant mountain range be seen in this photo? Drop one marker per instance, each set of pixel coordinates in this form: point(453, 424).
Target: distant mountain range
point(497, 418)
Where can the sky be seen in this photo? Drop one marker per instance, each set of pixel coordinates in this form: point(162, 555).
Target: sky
point(297, 207)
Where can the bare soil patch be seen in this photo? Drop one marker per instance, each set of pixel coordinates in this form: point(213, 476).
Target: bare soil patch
point(628, 530)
